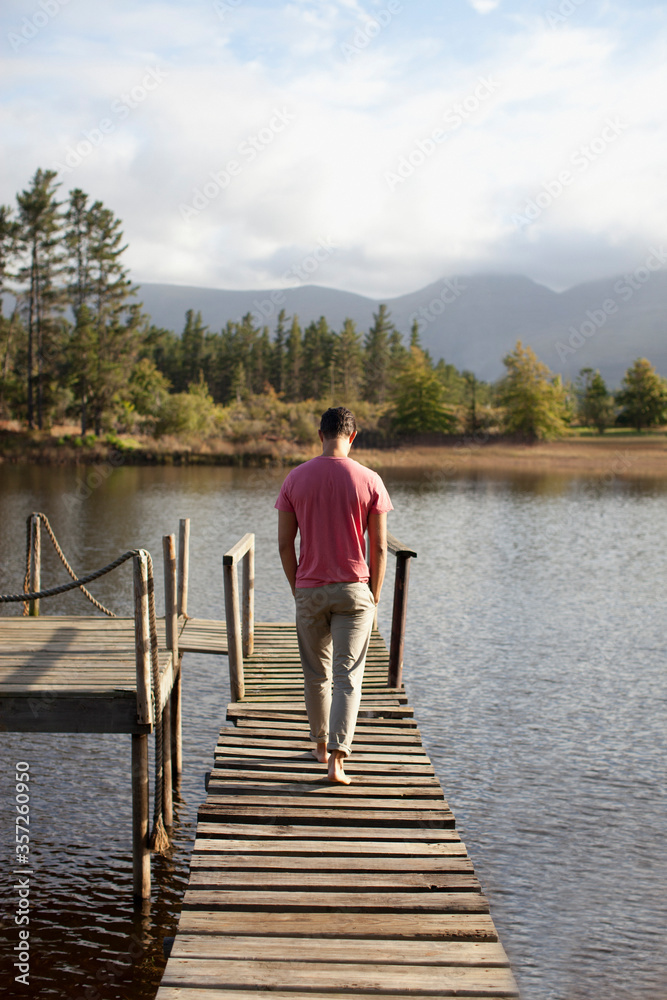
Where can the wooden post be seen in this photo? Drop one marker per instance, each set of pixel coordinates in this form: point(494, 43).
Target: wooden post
point(249, 599)
point(142, 640)
point(171, 629)
point(141, 868)
point(167, 798)
point(170, 613)
point(233, 619)
point(176, 730)
point(141, 855)
point(395, 678)
point(35, 562)
point(183, 565)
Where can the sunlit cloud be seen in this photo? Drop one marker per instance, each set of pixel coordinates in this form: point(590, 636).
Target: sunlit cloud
point(282, 124)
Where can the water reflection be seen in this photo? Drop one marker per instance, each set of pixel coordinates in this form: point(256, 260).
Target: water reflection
point(535, 661)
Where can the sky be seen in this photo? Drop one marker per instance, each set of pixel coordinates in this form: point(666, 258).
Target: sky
point(373, 146)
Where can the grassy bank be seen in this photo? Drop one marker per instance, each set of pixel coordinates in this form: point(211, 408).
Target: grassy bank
point(619, 452)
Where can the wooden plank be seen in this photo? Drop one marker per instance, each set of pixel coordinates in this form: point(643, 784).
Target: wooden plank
point(193, 993)
point(293, 743)
point(74, 714)
point(339, 976)
point(336, 800)
point(309, 777)
point(404, 902)
point(335, 949)
point(353, 766)
point(323, 788)
point(315, 850)
point(336, 881)
point(300, 832)
point(365, 727)
point(338, 862)
point(370, 926)
point(247, 734)
point(256, 714)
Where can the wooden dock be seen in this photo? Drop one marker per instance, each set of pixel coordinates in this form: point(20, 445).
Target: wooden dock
point(297, 886)
point(310, 889)
point(87, 674)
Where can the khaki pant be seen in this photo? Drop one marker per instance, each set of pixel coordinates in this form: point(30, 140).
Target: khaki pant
point(333, 625)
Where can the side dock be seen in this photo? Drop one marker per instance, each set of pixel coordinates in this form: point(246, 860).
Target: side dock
point(309, 889)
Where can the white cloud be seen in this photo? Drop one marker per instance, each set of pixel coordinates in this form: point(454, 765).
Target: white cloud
point(484, 6)
point(346, 125)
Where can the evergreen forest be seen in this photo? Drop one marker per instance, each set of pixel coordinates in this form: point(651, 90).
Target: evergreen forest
point(76, 348)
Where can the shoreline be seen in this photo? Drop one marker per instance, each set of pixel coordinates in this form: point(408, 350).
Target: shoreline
point(609, 456)
point(619, 454)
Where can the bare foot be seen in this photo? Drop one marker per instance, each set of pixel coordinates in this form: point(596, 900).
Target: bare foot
point(336, 770)
point(320, 753)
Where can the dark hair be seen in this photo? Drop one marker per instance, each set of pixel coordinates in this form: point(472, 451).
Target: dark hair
point(337, 421)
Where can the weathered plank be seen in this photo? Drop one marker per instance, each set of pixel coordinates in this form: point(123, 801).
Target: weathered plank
point(335, 949)
point(340, 976)
point(369, 926)
point(381, 902)
point(337, 863)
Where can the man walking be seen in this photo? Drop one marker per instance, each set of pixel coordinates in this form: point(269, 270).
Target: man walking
point(331, 501)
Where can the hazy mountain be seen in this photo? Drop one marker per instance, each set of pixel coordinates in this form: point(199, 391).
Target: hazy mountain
point(471, 321)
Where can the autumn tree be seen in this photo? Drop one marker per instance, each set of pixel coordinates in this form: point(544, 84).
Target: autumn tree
point(534, 399)
point(419, 398)
point(643, 396)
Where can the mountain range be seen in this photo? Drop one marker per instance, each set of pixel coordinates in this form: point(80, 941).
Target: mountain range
point(471, 321)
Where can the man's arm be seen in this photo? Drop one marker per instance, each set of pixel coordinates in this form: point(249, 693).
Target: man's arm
point(377, 551)
point(287, 529)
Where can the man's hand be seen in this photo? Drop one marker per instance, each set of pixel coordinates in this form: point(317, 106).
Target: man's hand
point(377, 552)
point(287, 529)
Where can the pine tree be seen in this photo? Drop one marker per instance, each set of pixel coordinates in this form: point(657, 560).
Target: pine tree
point(39, 242)
point(316, 360)
point(117, 320)
point(347, 361)
point(105, 341)
point(595, 405)
point(82, 359)
point(377, 357)
point(277, 377)
point(77, 242)
point(9, 234)
point(193, 340)
point(293, 351)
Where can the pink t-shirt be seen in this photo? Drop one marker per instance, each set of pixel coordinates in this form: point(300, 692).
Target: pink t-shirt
point(332, 498)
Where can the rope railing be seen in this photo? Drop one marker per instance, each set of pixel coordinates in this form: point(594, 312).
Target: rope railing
point(159, 840)
point(33, 555)
point(64, 587)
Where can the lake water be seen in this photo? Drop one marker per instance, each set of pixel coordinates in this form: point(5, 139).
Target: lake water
point(535, 660)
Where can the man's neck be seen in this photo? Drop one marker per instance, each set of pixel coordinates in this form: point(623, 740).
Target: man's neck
point(338, 447)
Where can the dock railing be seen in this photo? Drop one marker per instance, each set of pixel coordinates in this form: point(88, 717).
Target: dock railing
point(240, 630)
point(240, 609)
point(399, 614)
